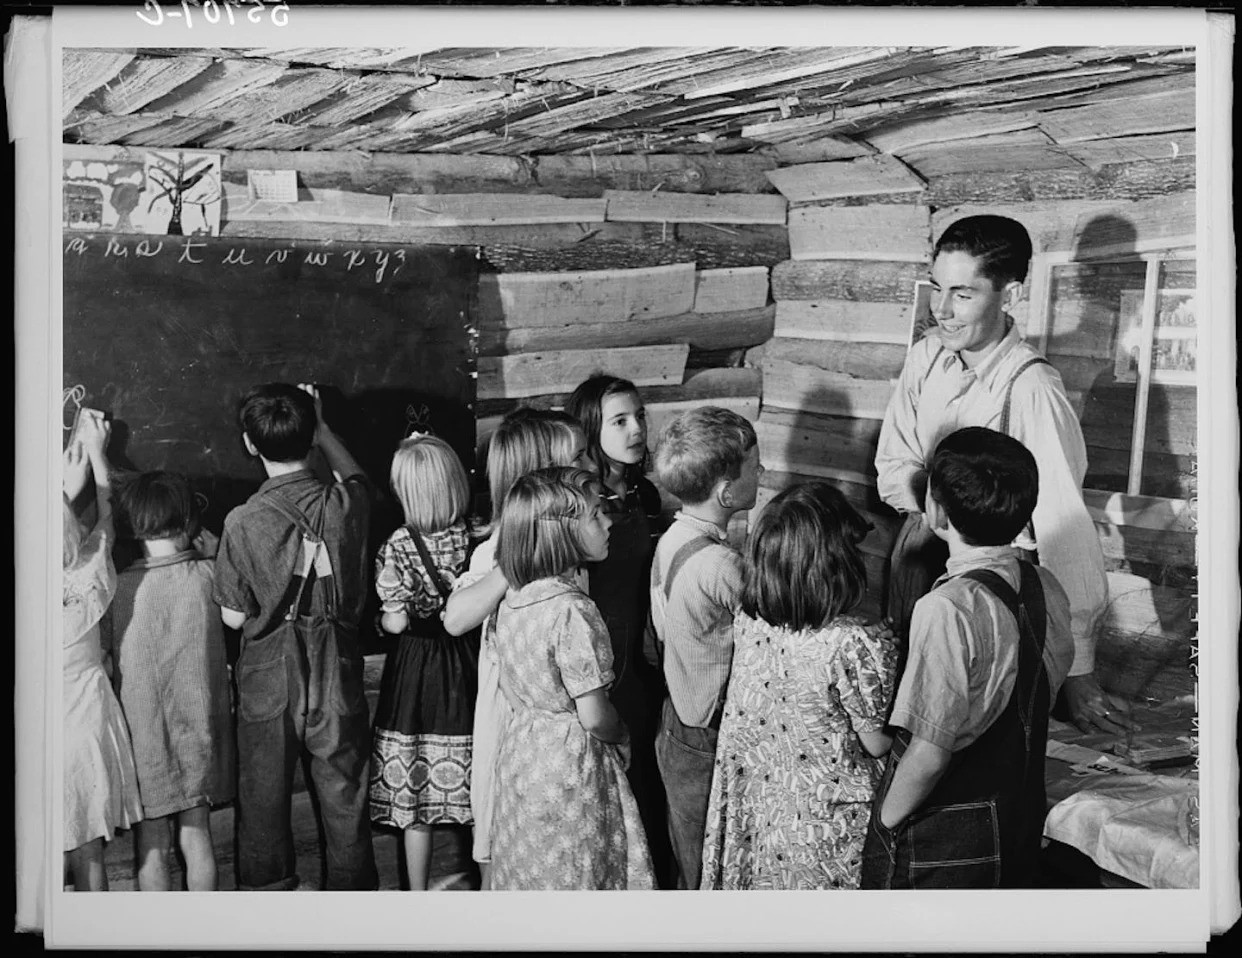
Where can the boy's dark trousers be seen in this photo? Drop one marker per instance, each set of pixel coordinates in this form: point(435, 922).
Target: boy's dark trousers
point(300, 687)
point(982, 825)
point(686, 756)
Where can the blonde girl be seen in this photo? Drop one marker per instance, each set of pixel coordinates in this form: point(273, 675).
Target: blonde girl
point(100, 782)
point(525, 440)
point(421, 751)
point(565, 817)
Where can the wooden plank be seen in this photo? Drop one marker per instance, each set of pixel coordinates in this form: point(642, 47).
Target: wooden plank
point(816, 150)
point(887, 232)
point(704, 385)
point(1119, 181)
point(719, 247)
point(806, 388)
point(659, 414)
point(225, 82)
point(555, 236)
point(554, 299)
point(869, 282)
point(1133, 149)
point(1030, 150)
point(725, 290)
point(649, 207)
point(1169, 111)
point(804, 443)
point(821, 181)
point(322, 206)
point(857, 359)
point(84, 71)
point(587, 257)
point(1091, 226)
point(897, 138)
point(144, 80)
point(534, 374)
point(843, 320)
point(725, 330)
point(486, 209)
point(673, 173)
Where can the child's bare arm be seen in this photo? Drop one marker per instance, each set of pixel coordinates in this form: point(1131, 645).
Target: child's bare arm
point(339, 459)
point(876, 743)
point(920, 768)
point(394, 623)
point(599, 717)
point(232, 618)
point(468, 606)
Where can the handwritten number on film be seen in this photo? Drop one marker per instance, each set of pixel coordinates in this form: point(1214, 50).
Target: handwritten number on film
point(231, 12)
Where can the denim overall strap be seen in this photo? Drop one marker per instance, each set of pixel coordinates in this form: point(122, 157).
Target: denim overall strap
point(981, 825)
point(683, 555)
point(653, 649)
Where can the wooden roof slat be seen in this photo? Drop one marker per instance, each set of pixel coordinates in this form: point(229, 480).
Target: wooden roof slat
point(490, 62)
point(1163, 112)
point(337, 58)
point(444, 92)
point(636, 69)
point(173, 132)
point(1024, 149)
point(83, 126)
point(144, 80)
point(265, 135)
point(899, 137)
point(84, 71)
point(218, 86)
point(362, 96)
point(291, 92)
point(1131, 149)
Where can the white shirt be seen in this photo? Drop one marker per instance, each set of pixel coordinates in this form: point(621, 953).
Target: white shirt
point(938, 394)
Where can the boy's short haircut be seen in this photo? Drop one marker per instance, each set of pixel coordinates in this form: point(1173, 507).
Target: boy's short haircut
point(1002, 246)
point(987, 484)
point(699, 448)
point(280, 421)
point(538, 532)
point(430, 482)
point(527, 439)
point(803, 566)
point(157, 505)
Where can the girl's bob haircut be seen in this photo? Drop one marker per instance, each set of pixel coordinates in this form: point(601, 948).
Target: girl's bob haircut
point(538, 533)
point(157, 505)
point(526, 440)
point(586, 404)
point(803, 566)
point(430, 483)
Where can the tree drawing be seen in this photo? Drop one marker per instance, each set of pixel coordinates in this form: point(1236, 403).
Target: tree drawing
point(180, 184)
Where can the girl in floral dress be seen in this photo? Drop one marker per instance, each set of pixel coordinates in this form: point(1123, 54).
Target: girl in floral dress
point(565, 817)
point(801, 739)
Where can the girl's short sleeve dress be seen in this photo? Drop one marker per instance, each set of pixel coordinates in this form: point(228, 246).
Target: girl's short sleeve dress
point(100, 783)
point(565, 818)
point(792, 788)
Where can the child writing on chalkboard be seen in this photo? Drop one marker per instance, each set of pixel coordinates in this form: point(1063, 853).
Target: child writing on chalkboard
point(172, 679)
point(420, 756)
point(525, 440)
point(100, 783)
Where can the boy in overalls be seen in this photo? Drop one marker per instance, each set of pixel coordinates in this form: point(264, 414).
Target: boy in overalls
point(974, 368)
point(962, 801)
point(291, 574)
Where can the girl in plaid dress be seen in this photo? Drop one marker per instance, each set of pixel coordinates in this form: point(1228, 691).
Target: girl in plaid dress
point(421, 751)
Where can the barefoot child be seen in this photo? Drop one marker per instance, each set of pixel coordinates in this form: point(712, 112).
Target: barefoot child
point(100, 783)
point(565, 816)
point(172, 680)
point(420, 757)
point(525, 440)
point(798, 760)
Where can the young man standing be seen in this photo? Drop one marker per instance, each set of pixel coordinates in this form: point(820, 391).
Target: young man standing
point(975, 369)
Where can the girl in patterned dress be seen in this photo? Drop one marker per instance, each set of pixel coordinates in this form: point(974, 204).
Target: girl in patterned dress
point(172, 679)
point(526, 439)
point(421, 752)
point(565, 817)
point(801, 739)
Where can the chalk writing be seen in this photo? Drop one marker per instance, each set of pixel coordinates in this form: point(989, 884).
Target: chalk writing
point(234, 256)
point(280, 255)
point(144, 248)
point(316, 259)
point(76, 245)
point(381, 259)
point(74, 394)
point(354, 257)
point(188, 250)
point(115, 249)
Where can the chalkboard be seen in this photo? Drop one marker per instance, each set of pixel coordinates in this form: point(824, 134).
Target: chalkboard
point(166, 334)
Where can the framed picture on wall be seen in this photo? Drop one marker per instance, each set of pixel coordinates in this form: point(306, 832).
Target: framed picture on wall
point(921, 319)
point(1174, 345)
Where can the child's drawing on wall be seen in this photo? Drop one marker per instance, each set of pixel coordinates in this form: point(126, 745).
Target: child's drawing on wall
point(101, 195)
point(183, 193)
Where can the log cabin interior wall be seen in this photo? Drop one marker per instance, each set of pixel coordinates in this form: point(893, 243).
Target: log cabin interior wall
point(745, 228)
